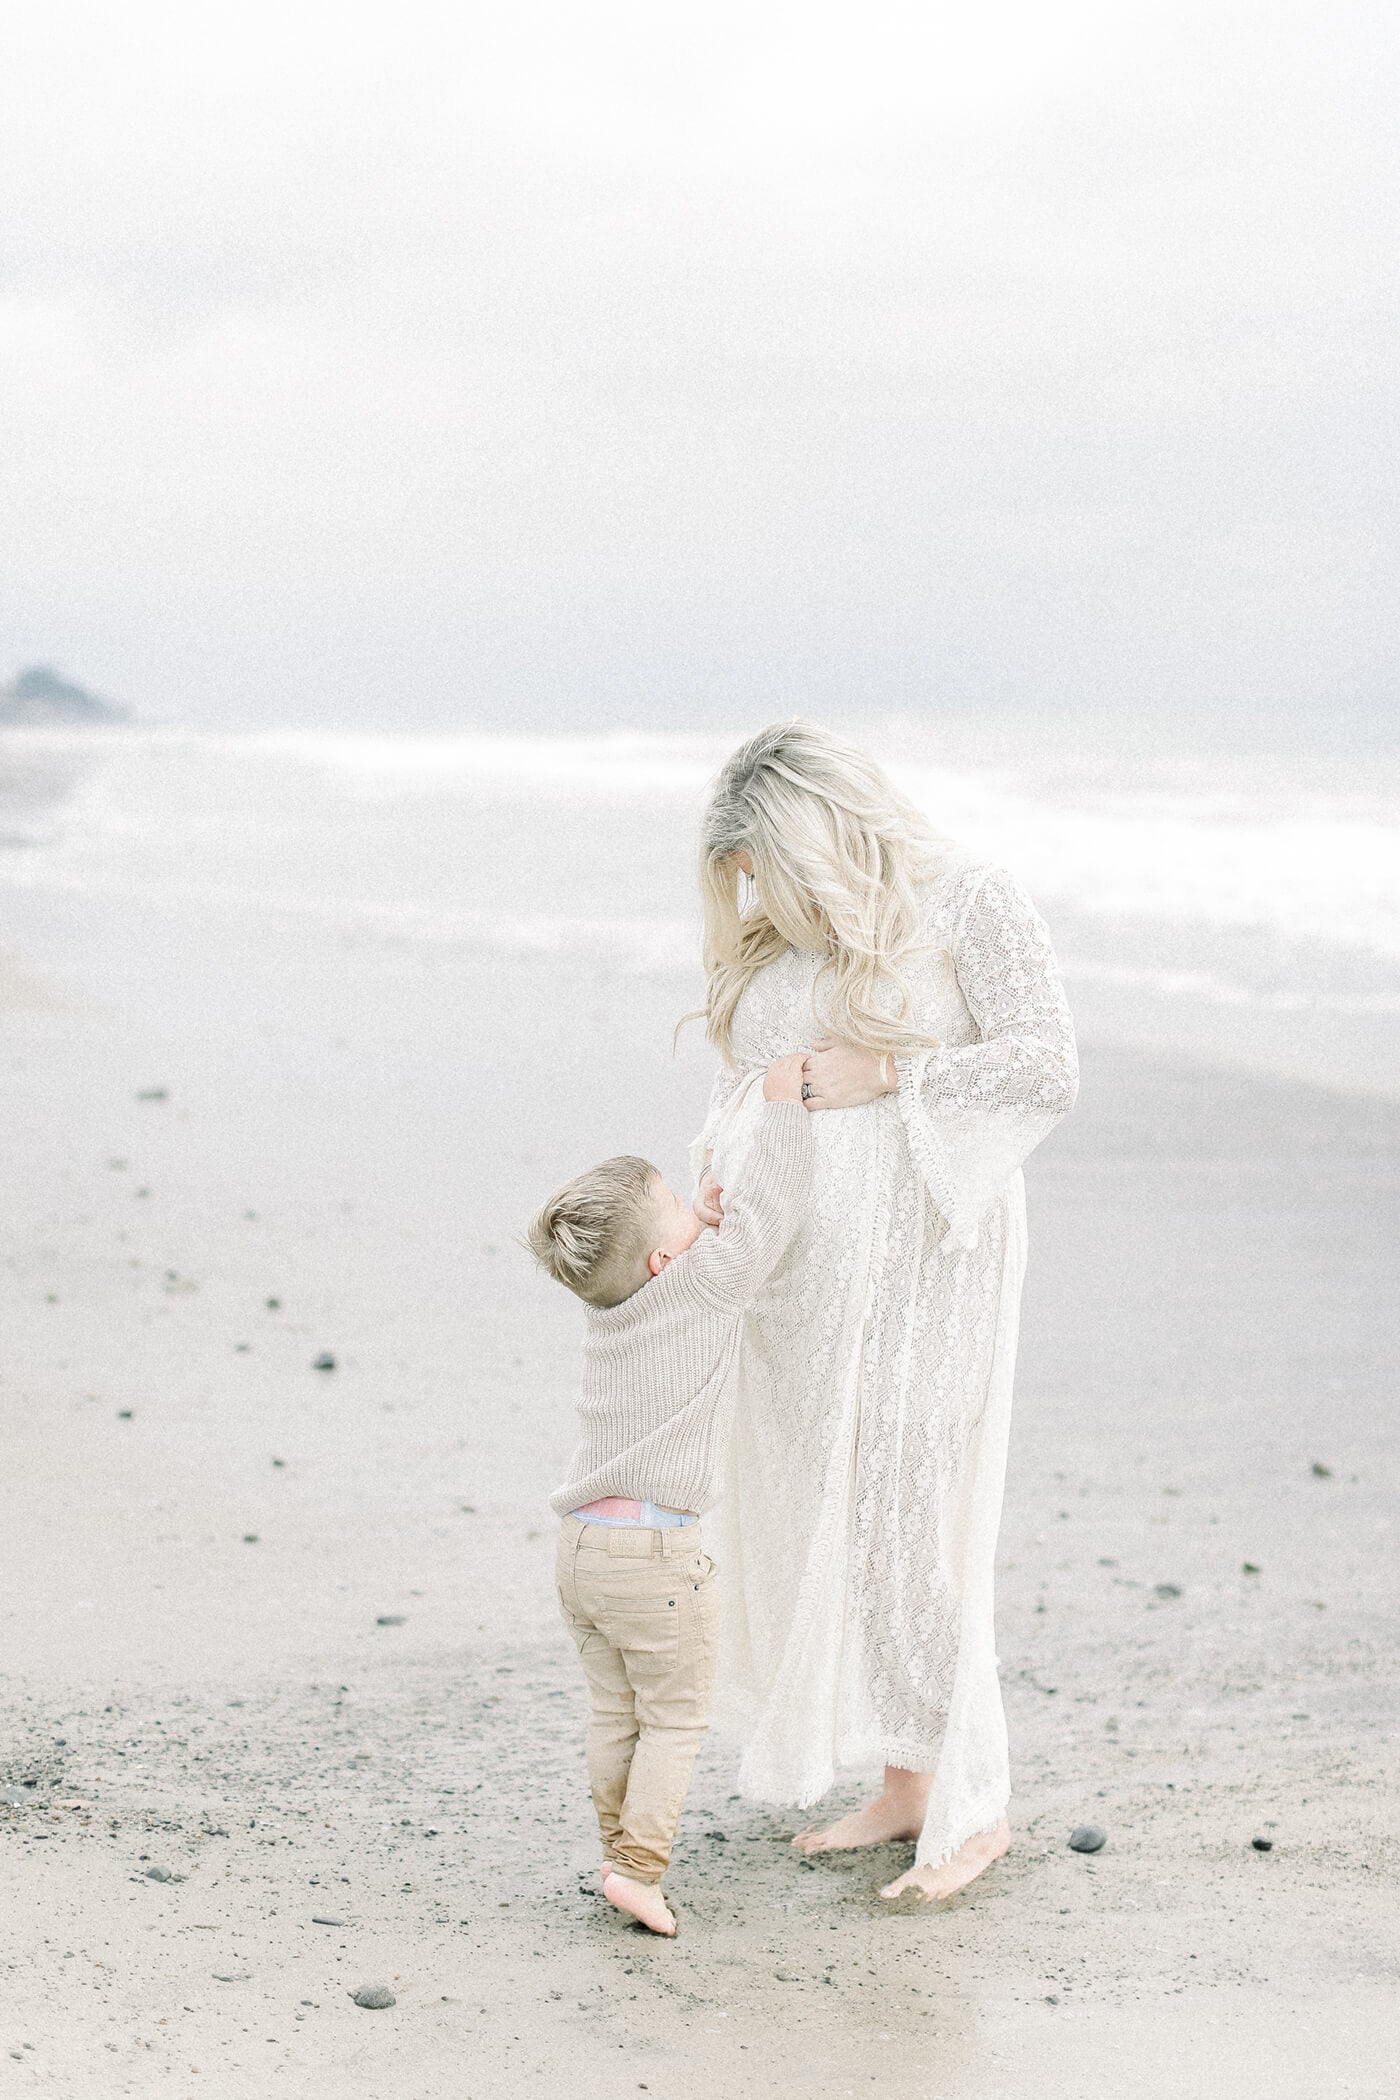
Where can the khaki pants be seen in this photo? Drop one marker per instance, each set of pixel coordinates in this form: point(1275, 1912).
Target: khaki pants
point(641, 1606)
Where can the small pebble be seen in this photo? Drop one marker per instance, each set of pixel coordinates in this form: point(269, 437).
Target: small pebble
point(230, 1975)
point(126, 1414)
point(1250, 1567)
point(153, 1093)
point(374, 1997)
point(328, 1921)
point(784, 1976)
point(1088, 1838)
point(162, 1874)
point(250, 1538)
point(13, 1796)
point(1262, 1844)
point(324, 1362)
point(274, 1304)
point(1168, 1589)
point(1322, 1472)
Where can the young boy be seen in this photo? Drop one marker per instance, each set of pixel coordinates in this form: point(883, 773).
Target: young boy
point(665, 1300)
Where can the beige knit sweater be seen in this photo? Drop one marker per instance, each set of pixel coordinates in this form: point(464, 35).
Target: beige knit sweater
point(656, 1368)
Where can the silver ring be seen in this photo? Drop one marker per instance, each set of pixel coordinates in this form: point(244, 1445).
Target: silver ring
point(806, 1091)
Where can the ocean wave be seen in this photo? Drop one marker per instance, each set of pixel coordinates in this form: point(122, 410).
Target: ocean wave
point(1287, 861)
point(1205, 988)
point(640, 945)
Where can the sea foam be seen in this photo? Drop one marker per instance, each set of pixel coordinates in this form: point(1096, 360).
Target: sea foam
point(369, 830)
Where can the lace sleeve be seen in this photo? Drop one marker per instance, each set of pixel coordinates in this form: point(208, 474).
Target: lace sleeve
point(972, 1115)
point(728, 1080)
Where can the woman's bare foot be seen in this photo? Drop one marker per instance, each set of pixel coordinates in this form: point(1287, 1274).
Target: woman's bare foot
point(641, 1900)
point(937, 1884)
point(896, 1813)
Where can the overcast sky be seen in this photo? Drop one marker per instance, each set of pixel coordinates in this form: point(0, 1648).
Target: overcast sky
point(643, 363)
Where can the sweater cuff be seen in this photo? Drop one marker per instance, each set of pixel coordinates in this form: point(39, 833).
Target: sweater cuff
point(784, 1131)
point(787, 1108)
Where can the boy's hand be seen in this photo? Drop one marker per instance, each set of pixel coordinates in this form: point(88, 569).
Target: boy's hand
point(783, 1079)
point(707, 1200)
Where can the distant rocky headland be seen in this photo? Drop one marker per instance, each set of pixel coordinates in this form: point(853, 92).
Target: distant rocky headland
point(39, 697)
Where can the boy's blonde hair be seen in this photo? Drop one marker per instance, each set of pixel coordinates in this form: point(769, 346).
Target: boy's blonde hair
point(594, 1234)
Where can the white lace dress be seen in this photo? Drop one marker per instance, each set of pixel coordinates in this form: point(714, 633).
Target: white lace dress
point(867, 1462)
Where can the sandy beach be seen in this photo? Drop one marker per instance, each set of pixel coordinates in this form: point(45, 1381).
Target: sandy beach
point(287, 1709)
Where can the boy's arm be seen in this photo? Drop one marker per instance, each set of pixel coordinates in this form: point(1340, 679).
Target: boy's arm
point(761, 1216)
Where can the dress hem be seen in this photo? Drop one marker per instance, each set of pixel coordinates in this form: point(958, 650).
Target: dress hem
point(980, 1824)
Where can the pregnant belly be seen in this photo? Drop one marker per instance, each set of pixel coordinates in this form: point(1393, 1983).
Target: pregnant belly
point(827, 1262)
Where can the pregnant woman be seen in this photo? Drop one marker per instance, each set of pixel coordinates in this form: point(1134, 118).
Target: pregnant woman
point(869, 1450)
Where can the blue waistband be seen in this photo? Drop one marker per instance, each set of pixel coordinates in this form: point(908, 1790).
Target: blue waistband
point(656, 1519)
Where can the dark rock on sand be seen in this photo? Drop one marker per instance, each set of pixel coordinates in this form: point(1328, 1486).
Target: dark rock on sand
point(324, 1362)
point(1088, 1838)
point(1168, 1589)
point(374, 1997)
point(327, 1921)
point(1262, 1844)
point(391, 1618)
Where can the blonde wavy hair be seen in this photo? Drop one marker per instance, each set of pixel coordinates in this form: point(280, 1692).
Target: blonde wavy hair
point(837, 856)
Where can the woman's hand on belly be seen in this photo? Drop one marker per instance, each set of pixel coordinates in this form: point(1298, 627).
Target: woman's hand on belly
point(838, 1075)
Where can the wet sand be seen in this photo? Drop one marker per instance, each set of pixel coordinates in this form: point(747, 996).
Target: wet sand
point(202, 1532)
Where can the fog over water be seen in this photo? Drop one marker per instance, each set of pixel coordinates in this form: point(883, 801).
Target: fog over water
point(558, 368)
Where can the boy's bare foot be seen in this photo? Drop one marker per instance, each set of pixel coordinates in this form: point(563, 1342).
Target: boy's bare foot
point(937, 1884)
point(642, 1900)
